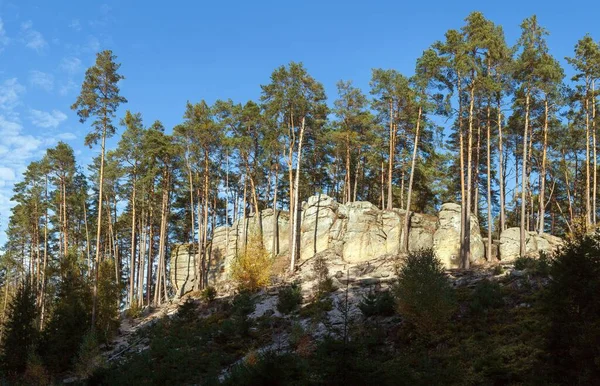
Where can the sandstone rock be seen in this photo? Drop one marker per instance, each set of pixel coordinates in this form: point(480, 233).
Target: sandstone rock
point(446, 240)
point(364, 238)
point(510, 241)
point(510, 244)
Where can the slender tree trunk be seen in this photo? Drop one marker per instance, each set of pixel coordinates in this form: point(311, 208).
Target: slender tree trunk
point(391, 159)
point(382, 188)
point(587, 166)
point(357, 171)
point(467, 250)
point(205, 226)
point(43, 290)
point(523, 240)
point(489, 183)
point(501, 172)
point(275, 246)
point(133, 244)
point(294, 245)
point(410, 184)
point(542, 203)
point(594, 149)
point(99, 227)
point(347, 191)
point(463, 206)
point(150, 246)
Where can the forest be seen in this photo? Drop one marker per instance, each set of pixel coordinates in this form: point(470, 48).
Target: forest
point(492, 125)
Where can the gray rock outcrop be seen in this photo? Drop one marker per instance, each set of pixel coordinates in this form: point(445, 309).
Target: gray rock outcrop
point(510, 243)
point(357, 232)
point(446, 239)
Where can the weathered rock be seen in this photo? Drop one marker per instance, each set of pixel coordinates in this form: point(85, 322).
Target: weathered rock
point(353, 233)
point(510, 243)
point(446, 239)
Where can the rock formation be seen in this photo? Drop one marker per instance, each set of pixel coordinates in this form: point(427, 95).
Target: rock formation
point(510, 241)
point(357, 232)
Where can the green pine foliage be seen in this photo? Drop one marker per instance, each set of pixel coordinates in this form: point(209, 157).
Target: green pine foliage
point(20, 332)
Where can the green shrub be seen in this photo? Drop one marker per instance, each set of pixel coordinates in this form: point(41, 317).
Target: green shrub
point(538, 267)
point(89, 358)
point(134, 311)
point(209, 294)
point(290, 297)
point(317, 310)
point(423, 292)
point(486, 295)
point(321, 274)
point(376, 303)
point(573, 308)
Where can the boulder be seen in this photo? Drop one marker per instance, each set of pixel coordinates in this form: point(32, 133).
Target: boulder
point(364, 238)
point(446, 239)
point(318, 216)
point(510, 243)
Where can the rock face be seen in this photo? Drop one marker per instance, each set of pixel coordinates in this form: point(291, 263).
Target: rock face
point(510, 242)
point(357, 232)
point(446, 239)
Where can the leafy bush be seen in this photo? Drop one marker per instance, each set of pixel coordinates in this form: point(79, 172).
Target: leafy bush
point(321, 274)
point(88, 358)
point(423, 292)
point(573, 307)
point(20, 333)
point(290, 297)
point(134, 311)
point(251, 269)
point(209, 294)
point(486, 295)
point(318, 309)
point(539, 267)
point(376, 303)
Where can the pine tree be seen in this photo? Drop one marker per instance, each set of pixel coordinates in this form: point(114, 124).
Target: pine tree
point(100, 98)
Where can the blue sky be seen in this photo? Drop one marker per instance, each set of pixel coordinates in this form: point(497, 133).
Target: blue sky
point(176, 51)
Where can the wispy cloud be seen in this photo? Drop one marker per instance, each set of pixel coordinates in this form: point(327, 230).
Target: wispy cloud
point(71, 65)
point(4, 40)
point(41, 79)
point(75, 24)
point(46, 119)
point(67, 87)
point(33, 39)
point(10, 93)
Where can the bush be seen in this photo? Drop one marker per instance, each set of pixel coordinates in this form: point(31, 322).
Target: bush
point(251, 269)
point(538, 267)
point(423, 292)
point(109, 294)
point(134, 311)
point(20, 333)
point(377, 304)
point(209, 294)
point(89, 358)
point(290, 297)
point(486, 295)
point(321, 274)
point(573, 308)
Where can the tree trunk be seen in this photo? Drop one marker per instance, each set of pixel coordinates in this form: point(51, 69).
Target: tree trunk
point(391, 159)
point(594, 191)
point(587, 165)
point(99, 228)
point(133, 244)
point(523, 241)
point(489, 184)
point(413, 163)
point(501, 172)
point(293, 246)
point(467, 250)
point(542, 203)
point(275, 246)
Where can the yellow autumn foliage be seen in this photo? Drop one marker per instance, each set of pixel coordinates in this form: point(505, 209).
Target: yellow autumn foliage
point(251, 269)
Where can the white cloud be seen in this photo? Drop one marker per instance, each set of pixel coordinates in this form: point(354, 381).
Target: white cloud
point(41, 79)
point(75, 24)
point(71, 65)
point(33, 39)
point(10, 93)
point(4, 40)
point(45, 119)
point(66, 136)
point(67, 87)
point(92, 45)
